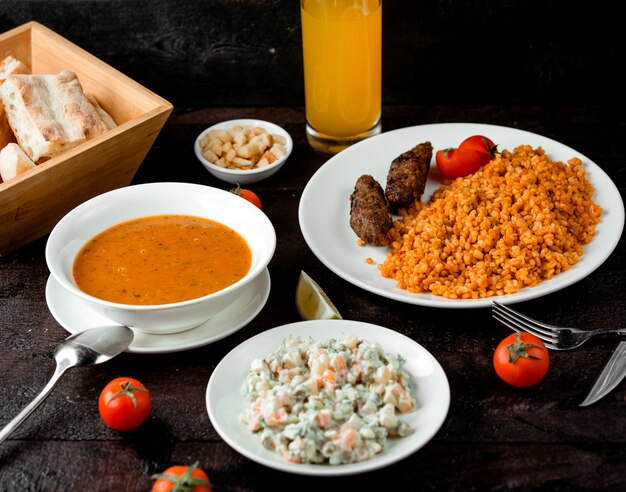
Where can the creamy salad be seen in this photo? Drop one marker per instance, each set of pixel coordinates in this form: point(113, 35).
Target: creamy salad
point(334, 401)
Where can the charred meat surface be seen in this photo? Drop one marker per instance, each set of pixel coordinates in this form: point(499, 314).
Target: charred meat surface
point(369, 216)
point(407, 175)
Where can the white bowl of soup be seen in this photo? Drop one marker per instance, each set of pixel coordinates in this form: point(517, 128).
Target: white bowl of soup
point(160, 257)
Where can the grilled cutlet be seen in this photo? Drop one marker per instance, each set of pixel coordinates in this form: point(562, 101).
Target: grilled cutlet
point(407, 176)
point(369, 216)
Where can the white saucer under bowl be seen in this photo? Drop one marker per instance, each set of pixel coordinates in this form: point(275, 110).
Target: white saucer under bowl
point(74, 316)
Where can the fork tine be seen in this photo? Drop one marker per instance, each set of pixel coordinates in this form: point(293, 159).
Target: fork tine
point(513, 325)
point(526, 326)
point(529, 323)
point(537, 324)
point(505, 322)
point(510, 325)
point(520, 325)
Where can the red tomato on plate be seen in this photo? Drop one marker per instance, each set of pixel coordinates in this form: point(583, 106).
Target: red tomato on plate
point(479, 143)
point(521, 359)
point(124, 404)
point(455, 163)
point(182, 478)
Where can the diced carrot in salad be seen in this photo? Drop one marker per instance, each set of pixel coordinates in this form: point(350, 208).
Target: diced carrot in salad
point(334, 401)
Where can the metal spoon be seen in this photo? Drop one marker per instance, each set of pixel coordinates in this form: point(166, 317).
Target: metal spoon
point(92, 346)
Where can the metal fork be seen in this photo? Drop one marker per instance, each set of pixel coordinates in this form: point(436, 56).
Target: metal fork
point(554, 337)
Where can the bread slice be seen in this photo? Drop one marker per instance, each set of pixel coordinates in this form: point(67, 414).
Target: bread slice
point(49, 114)
point(6, 134)
point(106, 117)
point(13, 162)
point(8, 66)
point(11, 65)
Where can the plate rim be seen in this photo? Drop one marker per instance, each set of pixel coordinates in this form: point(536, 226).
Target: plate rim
point(304, 328)
point(430, 300)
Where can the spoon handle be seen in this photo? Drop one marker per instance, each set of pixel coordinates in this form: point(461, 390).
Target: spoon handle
point(62, 366)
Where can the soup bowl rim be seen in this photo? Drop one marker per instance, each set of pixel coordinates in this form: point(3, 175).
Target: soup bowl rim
point(56, 269)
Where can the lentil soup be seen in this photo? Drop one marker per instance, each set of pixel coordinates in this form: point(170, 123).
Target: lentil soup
point(161, 259)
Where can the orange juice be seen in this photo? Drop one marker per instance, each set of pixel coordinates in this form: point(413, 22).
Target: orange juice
point(342, 65)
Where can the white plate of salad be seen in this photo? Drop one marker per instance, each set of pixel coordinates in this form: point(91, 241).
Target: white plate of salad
point(229, 408)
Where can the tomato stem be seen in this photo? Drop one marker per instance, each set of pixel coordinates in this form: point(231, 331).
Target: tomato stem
point(445, 151)
point(520, 349)
point(491, 149)
point(236, 190)
point(184, 482)
point(129, 390)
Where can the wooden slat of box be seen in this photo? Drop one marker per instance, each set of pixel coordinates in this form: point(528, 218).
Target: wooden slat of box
point(32, 203)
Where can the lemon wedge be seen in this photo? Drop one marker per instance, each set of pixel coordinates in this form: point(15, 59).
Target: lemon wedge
point(312, 302)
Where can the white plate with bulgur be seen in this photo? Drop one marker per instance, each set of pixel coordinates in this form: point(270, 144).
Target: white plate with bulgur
point(540, 217)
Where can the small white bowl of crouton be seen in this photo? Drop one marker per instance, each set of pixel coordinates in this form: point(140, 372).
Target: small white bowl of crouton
point(243, 151)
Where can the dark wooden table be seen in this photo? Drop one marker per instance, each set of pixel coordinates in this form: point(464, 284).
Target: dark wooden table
point(495, 437)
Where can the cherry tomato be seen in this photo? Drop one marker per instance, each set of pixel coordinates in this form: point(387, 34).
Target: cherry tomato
point(454, 163)
point(182, 479)
point(251, 196)
point(479, 143)
point(124, 404)
point(521, 359)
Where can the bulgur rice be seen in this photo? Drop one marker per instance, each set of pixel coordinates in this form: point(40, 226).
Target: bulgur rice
point(520, 219)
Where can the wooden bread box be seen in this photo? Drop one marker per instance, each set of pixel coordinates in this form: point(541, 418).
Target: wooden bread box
point(33, 202)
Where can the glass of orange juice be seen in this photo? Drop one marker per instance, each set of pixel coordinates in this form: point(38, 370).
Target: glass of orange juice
point(341, 43)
